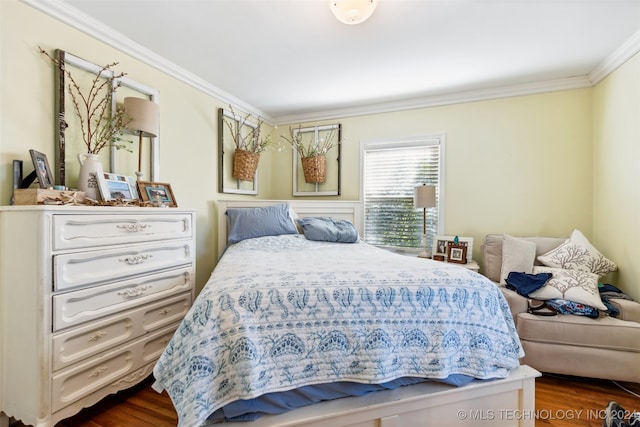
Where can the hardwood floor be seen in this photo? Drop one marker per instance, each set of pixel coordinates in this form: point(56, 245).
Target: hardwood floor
point(560, 402)
point(570, 401)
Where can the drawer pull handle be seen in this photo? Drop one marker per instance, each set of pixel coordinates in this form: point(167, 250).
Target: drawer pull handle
point(133, 228)
point(137, 259)
point(97, 336)
point(98, 372)
point(165, 311)
point(135, 292)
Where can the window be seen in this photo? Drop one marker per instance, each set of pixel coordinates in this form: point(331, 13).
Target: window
point(391, 171)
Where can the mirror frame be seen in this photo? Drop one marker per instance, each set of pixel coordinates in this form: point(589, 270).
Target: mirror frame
point(65, 58)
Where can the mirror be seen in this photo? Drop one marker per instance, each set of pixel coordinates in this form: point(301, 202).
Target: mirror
point(317, 179)
point(123, 161)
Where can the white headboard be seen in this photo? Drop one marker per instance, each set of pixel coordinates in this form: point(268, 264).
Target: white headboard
point(349, 210)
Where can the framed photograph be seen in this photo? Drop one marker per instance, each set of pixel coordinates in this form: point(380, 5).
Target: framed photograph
point(457, 253)
point(158, 193)
point(43, 172)
point(440, 247)
point(117, 187)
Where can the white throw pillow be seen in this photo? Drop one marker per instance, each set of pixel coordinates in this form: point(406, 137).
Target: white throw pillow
point(517, 255)
point(578, 254)
point(573, 285)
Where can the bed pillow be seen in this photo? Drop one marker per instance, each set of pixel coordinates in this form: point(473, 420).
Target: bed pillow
point(518, 255)
point(294, 219)
point(578, 254)
point(573, 285)
point(327, 229)
point(248, 223)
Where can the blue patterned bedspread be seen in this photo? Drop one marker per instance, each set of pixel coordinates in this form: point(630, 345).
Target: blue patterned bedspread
point(283, 312)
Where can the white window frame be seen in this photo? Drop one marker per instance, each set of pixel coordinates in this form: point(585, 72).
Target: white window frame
point(405, 142)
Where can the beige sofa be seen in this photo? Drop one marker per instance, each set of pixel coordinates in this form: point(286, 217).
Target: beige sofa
point(605, 347)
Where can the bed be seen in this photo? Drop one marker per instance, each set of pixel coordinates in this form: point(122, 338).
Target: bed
point(288, 322)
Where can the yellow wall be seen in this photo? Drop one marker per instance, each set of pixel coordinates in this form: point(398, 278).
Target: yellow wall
point(616, 208)
point(188, 118)
point(517, 165)
point(521, 165)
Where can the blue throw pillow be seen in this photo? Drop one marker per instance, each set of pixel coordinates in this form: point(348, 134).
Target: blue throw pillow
point(248, 223)
point(328, 229)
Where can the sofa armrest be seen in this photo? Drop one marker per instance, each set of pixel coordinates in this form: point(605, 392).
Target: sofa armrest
point(629, 310)
point(517, 303)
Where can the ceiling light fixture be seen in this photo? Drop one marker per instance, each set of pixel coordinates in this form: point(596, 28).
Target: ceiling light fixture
point(352, 11)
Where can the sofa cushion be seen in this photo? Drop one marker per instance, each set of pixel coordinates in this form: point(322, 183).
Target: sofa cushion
point(518, 255)
point(603, 332)
point(492, 252)
point(579, 254)
point(573, 285)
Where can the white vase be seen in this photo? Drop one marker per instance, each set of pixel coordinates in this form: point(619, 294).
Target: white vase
point(90, 169)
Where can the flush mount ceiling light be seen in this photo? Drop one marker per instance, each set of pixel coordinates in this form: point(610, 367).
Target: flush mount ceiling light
point(352, 11)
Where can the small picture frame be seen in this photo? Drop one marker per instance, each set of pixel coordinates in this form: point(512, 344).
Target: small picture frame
point(457, 253)
point(43, 171)
point(440, 246)
point(157, 193)
point(117, 187)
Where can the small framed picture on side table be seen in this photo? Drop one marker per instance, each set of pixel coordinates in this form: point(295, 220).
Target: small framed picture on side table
point(440, 249)
point(457, 253)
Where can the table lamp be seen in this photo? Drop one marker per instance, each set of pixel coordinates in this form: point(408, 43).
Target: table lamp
point(424, 196)
point(144, 120)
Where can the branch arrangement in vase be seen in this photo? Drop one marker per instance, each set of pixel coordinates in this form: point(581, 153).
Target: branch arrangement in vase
point(100, 126)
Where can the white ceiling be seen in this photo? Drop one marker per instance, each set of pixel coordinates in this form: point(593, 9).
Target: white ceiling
point(291, 58)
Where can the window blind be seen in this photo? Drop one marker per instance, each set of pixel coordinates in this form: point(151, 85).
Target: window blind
point(390, 176)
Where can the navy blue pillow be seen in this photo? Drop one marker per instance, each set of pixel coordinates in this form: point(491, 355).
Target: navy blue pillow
point(248, 223)
point(326, 229)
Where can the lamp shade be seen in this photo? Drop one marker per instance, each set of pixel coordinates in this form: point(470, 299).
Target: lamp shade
point(424, 196)
point(144, 116)
point(352, 11)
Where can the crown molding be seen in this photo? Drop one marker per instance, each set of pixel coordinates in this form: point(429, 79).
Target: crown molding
point(441, 100)
point(71, 16)
point(65, 13)
point(618, 57)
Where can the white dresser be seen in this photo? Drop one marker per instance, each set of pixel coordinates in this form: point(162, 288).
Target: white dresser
point(89, 298)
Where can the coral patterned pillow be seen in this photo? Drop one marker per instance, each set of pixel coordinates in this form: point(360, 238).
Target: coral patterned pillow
point(578, 254)
point(572, 285)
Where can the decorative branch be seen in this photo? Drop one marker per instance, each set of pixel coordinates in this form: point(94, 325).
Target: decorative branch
point(99, 126)
point(251, 141)
point(314, 147)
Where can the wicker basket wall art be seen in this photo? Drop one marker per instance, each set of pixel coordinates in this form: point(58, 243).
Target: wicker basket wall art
point(315, 170)
point(245, 164)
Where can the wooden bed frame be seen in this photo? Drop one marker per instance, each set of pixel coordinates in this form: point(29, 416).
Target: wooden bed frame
point(504, 402)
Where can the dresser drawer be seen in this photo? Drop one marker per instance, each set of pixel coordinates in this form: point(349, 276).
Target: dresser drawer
point(84, 231)
point(76, 307)
point(79, 269)
point(79, 343)
point(78, 381)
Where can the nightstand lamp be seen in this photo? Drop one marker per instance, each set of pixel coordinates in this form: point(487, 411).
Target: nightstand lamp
point(424, 196)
